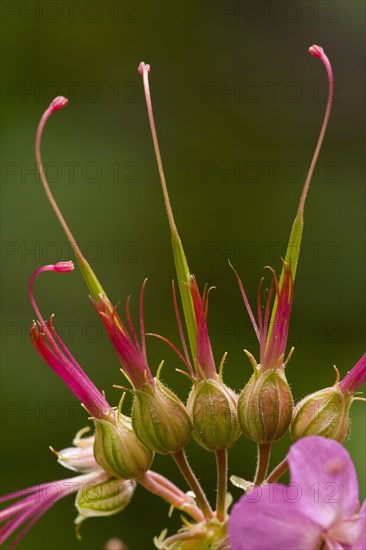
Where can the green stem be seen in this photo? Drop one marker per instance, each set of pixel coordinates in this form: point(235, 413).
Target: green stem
point(278, 471)
point(262, 464)
point(182, 463)
point(221, 463)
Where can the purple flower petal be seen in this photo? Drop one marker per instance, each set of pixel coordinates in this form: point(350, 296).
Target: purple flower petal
point(270, 517)
point(361, 544)
point(323, 470)
point(348, 533)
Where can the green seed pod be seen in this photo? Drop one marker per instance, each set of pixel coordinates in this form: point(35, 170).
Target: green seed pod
point(212, 408)
point(118, 450)
point(265, 406)
point(103, 499)
point(160, 419)
point(325, 412)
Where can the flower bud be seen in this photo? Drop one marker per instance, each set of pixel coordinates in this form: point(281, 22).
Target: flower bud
point(118, 450)
point(265, 406)
point(160, 419)
point(212, 409)
point(103, 499)
point(325, 412)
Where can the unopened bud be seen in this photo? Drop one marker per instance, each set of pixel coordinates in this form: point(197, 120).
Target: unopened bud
point(160, 419)
point(265, 406)
point(58, 103)
point(103, 499)
point(325, 413)
point(212, 409)
point(118, 450)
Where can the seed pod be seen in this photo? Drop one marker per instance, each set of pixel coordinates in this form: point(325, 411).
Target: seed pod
point(160, 419)
point(265, 406)
point(325, 412)
point(118, 450)
point(212, 409)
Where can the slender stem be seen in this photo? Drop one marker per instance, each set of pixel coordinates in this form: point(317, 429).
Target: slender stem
point(56, 104)
point(221, 463)
point(278, 472)
point(264, 452)
point(144, 70)
point(318, 52)
point(182, 463)
point(171, 494)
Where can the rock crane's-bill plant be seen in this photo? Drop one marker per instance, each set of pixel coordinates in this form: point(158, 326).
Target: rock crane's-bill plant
point(318, 510)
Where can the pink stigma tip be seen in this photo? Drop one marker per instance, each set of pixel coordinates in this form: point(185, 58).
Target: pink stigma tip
point(58, 103)
point(316, 51)
point(143, 67)
point(64, 267)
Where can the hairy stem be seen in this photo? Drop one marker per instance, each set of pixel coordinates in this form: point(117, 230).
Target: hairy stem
point(264, 452)
point(278, 472)
point(221, 463)
point(182, 463)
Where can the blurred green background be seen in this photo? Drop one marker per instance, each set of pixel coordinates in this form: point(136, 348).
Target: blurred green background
point(234, 89)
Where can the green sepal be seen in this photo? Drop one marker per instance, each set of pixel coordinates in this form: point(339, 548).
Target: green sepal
point(118, 450)
point(212, 409)
point(265, 406)
point(241, 483)
point(207, 535)
point(103, 499)
point(160, 419)
point(324, 413)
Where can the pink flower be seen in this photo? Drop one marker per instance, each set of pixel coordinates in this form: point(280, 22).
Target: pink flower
point(272, 328)
point(52, 349)
point(130, 352)
point(355, 377)
point(204, 356)
point(33, 502)
point(319, 509)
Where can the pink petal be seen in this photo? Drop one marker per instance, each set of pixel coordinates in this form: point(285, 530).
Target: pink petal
point(324, 471)
point(333, 545)
point(362, 526)
point(270, 517)
point(347, 533)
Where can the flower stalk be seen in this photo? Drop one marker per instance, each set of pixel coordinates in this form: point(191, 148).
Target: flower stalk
point(263, 453)
point(222, 474)
point(187, 472)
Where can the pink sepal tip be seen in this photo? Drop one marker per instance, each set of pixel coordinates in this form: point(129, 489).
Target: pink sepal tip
point(64, 267)
point(316, 51)
point(58, 103)
point(143, 67)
